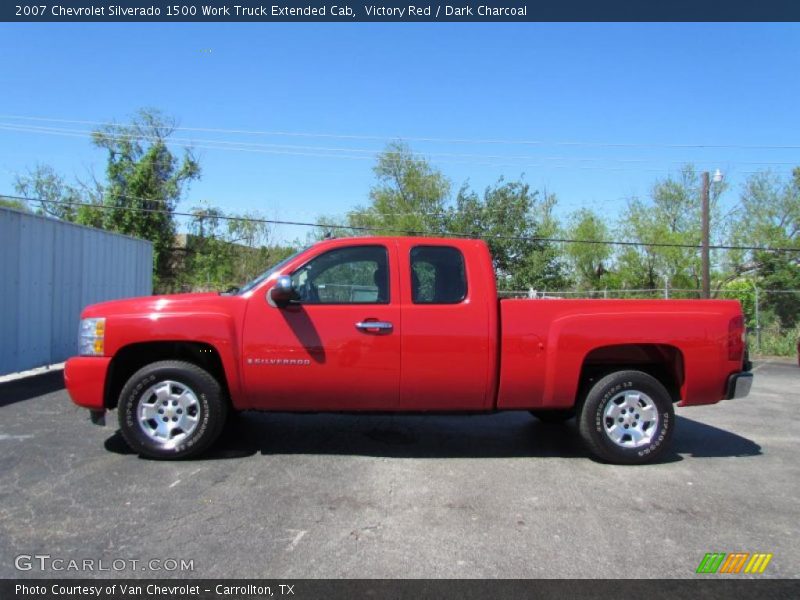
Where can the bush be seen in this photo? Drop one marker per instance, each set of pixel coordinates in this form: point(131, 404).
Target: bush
point(774, 342)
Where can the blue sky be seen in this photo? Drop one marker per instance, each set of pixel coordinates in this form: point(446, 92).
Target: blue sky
point(629, 94)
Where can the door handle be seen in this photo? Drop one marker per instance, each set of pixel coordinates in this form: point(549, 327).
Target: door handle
point(374, 326)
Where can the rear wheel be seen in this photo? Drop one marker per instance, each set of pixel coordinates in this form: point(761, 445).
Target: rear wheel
point(627, 418)
point(171, 409)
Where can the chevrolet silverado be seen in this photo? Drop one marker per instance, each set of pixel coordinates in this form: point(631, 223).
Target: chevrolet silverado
point(403, 325)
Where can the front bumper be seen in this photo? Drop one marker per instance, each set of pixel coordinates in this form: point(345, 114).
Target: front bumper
point(85, 378)
point(739, 385)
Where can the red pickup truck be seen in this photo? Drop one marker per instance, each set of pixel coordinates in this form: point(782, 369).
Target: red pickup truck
point(403, 325)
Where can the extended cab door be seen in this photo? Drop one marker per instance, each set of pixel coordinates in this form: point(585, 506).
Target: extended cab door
point(338, 346)
point(449, 326)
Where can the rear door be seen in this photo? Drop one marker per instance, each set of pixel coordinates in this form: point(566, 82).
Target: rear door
point(446, 353)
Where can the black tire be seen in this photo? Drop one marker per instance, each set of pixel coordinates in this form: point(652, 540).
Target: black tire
point(205, 400)
point(554, 416)
point(598, 428)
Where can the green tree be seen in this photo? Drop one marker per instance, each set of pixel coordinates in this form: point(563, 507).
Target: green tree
point(409, 197)
point(672, 216)
point(770, 217)
point(589, 262)
point(743, 290)
point(14, 203)
point(254, 249)
point(770, 210)
point(781, 275)
point(225, 250)
point(145, 182)
point(49, 193)
point(503, 218)
point(516, 223)
point(208, 261)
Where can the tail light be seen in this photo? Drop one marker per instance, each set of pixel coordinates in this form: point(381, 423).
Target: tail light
point(736, 336)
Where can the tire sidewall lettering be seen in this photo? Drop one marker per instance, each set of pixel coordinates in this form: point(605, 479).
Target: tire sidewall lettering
point(134, 399)
point(201, 428)
point(664, 427)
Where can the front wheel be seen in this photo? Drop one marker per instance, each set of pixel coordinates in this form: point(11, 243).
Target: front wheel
point(627, 418)
point(171, 409)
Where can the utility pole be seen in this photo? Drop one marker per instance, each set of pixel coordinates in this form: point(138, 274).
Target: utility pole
point(706, 234)
point(758, 323)
point(705, 242)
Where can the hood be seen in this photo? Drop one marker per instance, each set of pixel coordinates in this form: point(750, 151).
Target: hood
point(171, 303)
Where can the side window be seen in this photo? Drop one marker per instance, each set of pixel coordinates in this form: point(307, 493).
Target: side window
point(437, 275)
point(355, 275)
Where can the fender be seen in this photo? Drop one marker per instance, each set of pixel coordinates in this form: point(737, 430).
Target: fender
point(573, 338)
point(207, 318)
point(214, 329)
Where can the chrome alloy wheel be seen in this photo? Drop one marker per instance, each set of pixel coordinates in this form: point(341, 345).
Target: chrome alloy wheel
point(168, 412)
point(631, 419)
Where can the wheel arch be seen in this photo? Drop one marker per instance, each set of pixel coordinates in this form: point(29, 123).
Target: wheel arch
point(129, 359)
point(664, 362)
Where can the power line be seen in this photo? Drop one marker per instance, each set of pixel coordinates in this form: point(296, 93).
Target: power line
point(230, 146)
point(177, 142)
point(498, 141)
point(361, 153)
point(253, 148)
point(211, 145)
point(415, 232)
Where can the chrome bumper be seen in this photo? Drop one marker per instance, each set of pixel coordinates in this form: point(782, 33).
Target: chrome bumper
point(739, 385)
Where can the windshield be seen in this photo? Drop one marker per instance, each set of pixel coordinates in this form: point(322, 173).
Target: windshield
point(265, 275)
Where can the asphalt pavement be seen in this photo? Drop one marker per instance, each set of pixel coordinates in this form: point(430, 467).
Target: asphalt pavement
point(330, 496)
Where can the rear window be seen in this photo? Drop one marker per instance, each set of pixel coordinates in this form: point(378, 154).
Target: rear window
point(437, 275)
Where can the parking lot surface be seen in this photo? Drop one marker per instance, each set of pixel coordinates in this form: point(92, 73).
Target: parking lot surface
point(312, 496)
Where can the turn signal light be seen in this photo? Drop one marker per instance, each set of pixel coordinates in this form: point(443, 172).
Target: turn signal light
point(91, 337)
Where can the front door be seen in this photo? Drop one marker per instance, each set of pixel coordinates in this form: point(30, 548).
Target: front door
point(338, 347)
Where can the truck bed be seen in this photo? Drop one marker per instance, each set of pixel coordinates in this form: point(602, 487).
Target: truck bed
point(545, 345)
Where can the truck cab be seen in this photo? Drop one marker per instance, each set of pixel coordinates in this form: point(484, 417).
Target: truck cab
point(375, 324)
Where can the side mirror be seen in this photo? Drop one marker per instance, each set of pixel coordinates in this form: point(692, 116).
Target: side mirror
point(282, 292)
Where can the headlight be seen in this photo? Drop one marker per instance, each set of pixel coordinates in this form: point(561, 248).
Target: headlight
point(91, 337)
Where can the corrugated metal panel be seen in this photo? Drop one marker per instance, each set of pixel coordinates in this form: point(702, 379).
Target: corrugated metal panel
point(10, 232)
point(50, 270)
